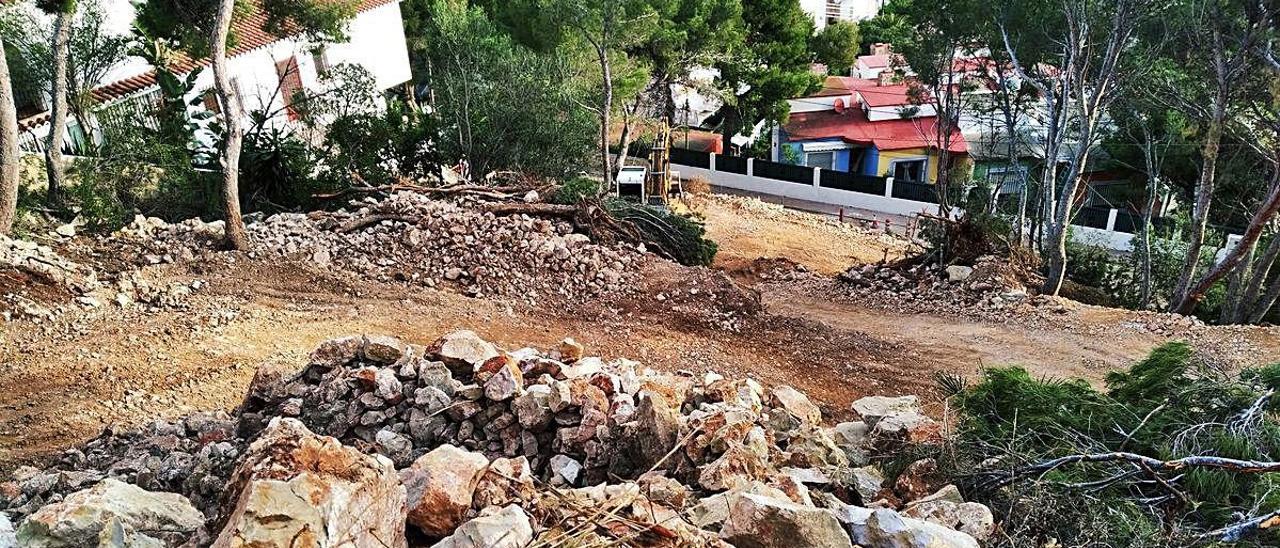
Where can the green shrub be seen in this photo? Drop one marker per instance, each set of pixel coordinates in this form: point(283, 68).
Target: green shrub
point(276, 172)
point(1169, 405)
point(682, 238)
point(381, 147)
point(575, 190)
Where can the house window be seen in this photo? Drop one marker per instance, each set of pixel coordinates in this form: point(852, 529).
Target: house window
point(210, 100)
point(290, 86)
point(910, 171)
point(320, 59)
point(824, 160)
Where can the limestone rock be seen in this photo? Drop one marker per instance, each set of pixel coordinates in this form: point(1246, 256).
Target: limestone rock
point(8, 538)
point(883, 528)
point(796, 403)
point(505, 383)
point(874, 408)
point(81, 518)
point(564, 470)
point(506, 481)
point(757, 521)
point(570, 350)
point(711, 511)
point(462, 351)
point(867, 481)
point(958, 273)
point(441, 485)
point(294, 488)
point(508, 528)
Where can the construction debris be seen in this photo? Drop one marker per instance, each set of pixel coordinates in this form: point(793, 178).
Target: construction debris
point(411, 238)
point(473, 445)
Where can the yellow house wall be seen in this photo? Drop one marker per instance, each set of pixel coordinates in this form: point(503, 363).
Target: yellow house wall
point(887, 158)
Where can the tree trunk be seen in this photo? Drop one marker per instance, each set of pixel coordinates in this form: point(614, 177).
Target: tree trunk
point(1264, 305)
point(1261, 219)
point(606, 111)
point(54, 166)
point(624, 143)
point(1057, 229)
point(1147, 217)
point(1235, 288)
point(1204, 199)
point(8, 148)
point(237, 237)
point(1252, 299)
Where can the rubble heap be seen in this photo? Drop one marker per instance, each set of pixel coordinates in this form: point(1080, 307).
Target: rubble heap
point(471, 445)
point(28, 269)
point(990, 290)
point(982, 289)
point(409, 237)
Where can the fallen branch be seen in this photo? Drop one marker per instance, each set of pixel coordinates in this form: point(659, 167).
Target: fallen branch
point(1195, 461)
point(1238, 531)
point(357, 224)
point(531, 209)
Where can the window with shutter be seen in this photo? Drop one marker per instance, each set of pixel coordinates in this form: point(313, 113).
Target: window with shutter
point(290, 86)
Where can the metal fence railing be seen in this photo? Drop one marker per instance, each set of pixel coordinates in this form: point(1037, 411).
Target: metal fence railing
point(783, 172)
point(1125, 221)
point(916, 192)
point(692, 158)
point(852, 182)
point(731, 164)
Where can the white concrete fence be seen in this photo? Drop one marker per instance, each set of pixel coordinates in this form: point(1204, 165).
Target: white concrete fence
point(886, 203)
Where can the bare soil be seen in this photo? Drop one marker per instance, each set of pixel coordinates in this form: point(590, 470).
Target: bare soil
point(61, 383)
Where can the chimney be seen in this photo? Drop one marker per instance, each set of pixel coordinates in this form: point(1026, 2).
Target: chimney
point(885, 78)
point(881, 48)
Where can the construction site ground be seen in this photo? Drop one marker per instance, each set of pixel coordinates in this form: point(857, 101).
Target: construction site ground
point(63, 382)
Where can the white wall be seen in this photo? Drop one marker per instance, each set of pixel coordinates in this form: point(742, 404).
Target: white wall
point(817, 10)
point(817, 104)
point(1114, 240)
point(377, 43)
point(811, 192)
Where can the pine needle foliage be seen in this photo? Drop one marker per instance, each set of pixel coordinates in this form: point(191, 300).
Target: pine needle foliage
point(1169, 405)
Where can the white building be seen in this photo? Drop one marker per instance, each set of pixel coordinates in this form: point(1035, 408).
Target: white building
point(265, 69)
point(825, 12)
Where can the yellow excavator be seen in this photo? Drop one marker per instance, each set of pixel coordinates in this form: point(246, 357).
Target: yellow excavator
point(651, 185)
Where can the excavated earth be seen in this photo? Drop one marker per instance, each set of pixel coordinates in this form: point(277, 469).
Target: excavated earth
point(169, 326)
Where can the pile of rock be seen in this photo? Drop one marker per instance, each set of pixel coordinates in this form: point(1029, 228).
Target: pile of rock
point(471, 445)
point(408, 237)
point(982, 291)
point(35, 279)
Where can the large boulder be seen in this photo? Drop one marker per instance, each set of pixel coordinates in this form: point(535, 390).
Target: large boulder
point(883, 528)
point(897, 420)
point(295, 488)
point(796, 403)
point(757, 521)
point(508, 528)
point(947, 508)
point(441, 485)
point(711, 511)
point(110, 507)
point(8, 537)
point(462, 351)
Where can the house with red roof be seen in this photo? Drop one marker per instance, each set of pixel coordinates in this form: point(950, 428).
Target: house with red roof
point(266, 69)
point(881, 127)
